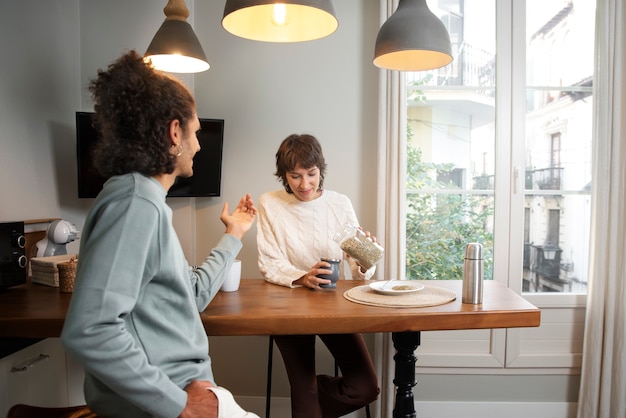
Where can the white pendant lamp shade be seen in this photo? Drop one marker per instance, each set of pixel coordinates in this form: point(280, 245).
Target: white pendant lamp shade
point(280, 21)
point(175, 47)
point(412, 39)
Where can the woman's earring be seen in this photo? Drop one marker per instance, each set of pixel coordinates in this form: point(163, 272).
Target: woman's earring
point(180, 150)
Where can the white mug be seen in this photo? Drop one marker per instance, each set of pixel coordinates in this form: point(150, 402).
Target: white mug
point(233, 276)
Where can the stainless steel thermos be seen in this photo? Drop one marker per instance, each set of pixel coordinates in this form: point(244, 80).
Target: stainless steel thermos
point(473, 274)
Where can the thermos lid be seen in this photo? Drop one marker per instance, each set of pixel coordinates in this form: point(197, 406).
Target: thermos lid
point(474, 251)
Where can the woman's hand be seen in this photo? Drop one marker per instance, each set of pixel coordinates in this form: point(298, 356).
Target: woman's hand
point(311, 280)
point(369, 235)
point(241, 220)
point(201, 402)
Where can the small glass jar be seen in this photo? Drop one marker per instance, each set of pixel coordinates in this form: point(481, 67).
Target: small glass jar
point(358, 246)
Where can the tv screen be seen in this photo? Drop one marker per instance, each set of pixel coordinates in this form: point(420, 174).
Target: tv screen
point(207, 163)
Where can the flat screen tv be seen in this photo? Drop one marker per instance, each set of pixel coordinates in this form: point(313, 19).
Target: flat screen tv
point(207, 163)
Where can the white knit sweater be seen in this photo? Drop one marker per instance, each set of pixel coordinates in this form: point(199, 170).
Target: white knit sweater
point(293, 235)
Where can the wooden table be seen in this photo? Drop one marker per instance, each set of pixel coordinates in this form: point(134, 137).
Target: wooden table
point(259, 308)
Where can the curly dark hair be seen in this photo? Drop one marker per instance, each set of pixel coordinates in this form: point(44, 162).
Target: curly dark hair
point(134, 105)
point(304, 150)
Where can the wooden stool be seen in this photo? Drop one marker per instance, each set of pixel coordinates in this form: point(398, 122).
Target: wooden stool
point(28, 411)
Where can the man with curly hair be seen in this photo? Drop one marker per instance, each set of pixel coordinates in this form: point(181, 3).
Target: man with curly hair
point(134, 322)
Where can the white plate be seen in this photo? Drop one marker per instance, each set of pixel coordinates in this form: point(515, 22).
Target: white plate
point(386, 287)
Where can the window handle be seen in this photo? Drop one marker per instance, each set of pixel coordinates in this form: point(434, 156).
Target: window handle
point(515, 178)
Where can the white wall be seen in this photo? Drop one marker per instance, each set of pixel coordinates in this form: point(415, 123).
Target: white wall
point(39, 92)
point(266, 91)
point(263, 91)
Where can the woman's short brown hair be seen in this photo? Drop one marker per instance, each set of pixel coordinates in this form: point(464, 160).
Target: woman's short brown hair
point(303, 150)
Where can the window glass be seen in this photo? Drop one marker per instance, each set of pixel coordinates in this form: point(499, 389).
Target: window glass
point(452, 146)
point(558, 147)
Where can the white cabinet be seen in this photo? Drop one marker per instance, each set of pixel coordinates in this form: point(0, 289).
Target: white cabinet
point(40, 375)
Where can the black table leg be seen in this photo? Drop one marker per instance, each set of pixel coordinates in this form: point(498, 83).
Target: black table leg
point(405, 344)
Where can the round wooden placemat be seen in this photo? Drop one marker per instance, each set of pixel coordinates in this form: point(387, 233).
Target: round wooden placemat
point(428, 296)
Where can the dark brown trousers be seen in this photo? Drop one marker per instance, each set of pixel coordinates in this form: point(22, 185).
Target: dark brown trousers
point(325, 396)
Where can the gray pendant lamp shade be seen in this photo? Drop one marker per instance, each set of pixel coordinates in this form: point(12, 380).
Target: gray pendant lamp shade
point(175, 47)
point(412, 39)
point(280, 21)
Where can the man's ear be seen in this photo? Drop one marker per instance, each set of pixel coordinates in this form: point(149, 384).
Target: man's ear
point(174, 132)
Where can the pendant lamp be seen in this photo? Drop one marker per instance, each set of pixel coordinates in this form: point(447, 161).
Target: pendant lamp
point(412, 39)
point(175, 48)
point(280, 20)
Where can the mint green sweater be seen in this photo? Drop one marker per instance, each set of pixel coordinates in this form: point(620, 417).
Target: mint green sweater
point(133, 321)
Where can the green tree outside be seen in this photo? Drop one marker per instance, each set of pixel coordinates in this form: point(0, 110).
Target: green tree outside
point(439, 226)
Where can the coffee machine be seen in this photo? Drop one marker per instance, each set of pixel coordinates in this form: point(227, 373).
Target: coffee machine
point(13, 259)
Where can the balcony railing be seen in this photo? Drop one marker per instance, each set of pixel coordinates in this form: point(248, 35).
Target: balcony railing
point(484, 182)
point(471, 66)
point(547, 261)
point(544, 178)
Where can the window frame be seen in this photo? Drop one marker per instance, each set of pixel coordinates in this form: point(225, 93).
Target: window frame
point(512, 351)
point(512, 69)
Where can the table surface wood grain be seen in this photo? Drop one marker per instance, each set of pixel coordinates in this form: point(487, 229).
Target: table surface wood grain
point(260, 308)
